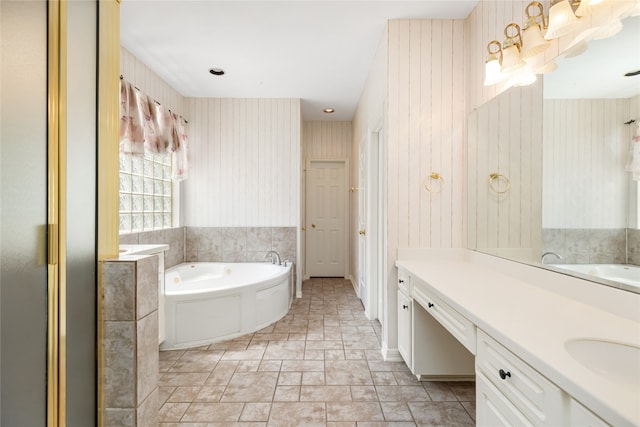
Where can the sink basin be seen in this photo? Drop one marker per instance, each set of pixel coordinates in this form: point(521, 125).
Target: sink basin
point(619, 362)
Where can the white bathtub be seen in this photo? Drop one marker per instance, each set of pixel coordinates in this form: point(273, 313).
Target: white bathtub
point(208, 302)
point(622, 273)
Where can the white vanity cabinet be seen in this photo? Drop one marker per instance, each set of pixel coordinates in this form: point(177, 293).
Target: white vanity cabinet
point(511, 391)
point(525, 373)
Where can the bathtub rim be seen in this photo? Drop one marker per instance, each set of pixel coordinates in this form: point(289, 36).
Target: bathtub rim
point(566, 270)
point(265, 283)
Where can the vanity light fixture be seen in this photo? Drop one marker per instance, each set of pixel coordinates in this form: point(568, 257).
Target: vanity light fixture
point(533, 42)
point(493, 64)
point(216, 71)
point(562, 20)
point(608, 30)
point(511, 60)
point(328, 110)
point(576, 49)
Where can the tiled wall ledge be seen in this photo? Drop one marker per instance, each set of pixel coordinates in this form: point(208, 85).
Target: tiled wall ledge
point(174, 237)
point(593, 246)
point(130, 392)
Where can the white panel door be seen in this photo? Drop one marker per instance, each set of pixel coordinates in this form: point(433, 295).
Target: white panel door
point(326, 218)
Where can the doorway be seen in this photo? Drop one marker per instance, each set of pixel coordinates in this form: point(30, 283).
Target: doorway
point(326, 218)
point(371, 224)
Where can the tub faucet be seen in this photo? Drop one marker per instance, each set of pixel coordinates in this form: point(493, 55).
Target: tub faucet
point(275, 257)
point(549, 253)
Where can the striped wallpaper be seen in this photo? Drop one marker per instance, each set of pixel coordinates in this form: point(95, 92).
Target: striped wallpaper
point(586, 145)
point(326, 140)
point(505, 137)
point(142, 77)
point(245, 163)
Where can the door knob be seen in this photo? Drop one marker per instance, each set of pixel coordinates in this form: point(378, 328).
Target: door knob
point(362, 232)
point(313, 226)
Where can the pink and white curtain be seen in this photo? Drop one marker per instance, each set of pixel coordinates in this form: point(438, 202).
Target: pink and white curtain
point(147, 127)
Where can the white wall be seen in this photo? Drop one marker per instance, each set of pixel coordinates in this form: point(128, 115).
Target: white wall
point(424, 109)
point(586, 145)
point(245, 163)
point(370, 112)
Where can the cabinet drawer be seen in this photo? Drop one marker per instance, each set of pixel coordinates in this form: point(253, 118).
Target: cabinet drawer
point(535, 396)
point(454, 322)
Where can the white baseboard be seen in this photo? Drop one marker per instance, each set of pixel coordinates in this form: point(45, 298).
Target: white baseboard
point(391, 354)
point(353, 283)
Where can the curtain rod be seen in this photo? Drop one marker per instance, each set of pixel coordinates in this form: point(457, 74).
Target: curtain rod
point(136, 88)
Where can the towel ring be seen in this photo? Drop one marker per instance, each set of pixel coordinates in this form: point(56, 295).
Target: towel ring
point(427, 182)
point(494, 183)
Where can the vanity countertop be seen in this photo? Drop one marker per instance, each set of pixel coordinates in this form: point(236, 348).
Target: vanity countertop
point(536, 322)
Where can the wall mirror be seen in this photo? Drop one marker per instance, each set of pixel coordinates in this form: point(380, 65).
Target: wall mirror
point(547, 167)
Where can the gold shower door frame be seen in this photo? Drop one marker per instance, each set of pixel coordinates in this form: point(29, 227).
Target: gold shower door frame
point(56, 213)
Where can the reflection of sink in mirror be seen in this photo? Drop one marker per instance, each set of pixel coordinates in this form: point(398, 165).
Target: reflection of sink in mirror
point(617, 361)
point(623, 273)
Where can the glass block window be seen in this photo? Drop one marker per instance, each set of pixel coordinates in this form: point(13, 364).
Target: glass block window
point(145, 192)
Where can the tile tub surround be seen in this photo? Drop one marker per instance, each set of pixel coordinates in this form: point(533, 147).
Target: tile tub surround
point(633, 246)
point(219, 244)
point(319, 366)
point(131, 360)
point(586, 246)
point(239, 244)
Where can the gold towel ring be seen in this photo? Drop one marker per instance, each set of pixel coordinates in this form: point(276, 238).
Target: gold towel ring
point(427, 182)
point(494, 183)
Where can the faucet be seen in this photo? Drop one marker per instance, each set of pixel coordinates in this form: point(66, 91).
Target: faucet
point(549, 253)
point(275, 257)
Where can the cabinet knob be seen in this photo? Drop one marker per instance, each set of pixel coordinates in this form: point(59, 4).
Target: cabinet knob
point(504, 374)
point(400, 281)
point(430, 304)
point(405, 306)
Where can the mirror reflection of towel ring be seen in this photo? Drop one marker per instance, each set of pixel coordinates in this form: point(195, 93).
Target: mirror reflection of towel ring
point(494, 183)
point(427, 183)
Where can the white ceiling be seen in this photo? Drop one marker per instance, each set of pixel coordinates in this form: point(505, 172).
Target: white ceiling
point(319, 51)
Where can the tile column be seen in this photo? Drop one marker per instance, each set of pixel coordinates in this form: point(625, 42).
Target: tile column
point(130, 394)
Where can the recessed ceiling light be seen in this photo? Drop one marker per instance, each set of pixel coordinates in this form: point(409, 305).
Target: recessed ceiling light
point(632, 73)
point(328, 110)
point(216, 71)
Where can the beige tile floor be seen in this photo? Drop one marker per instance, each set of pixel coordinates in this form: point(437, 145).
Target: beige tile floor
point(318, 366)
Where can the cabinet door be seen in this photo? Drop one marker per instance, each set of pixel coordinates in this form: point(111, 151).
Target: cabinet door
point(404, 328)
point(493, 409)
